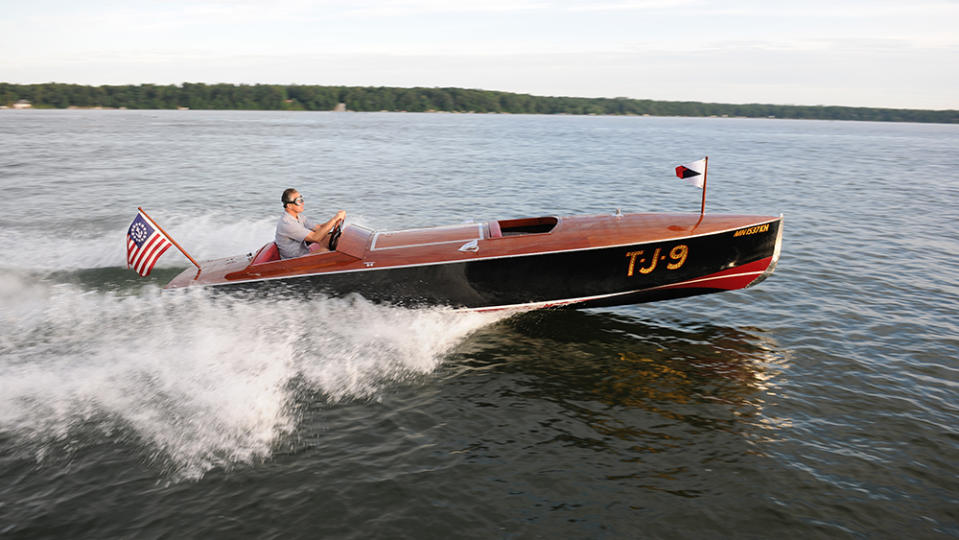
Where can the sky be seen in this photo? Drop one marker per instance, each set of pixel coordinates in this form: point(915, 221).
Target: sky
point(878, 53)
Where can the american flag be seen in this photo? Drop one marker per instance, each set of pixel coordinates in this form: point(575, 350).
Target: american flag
point(145, 244)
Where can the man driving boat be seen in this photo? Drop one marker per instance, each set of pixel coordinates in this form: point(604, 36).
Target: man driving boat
point(294, 231)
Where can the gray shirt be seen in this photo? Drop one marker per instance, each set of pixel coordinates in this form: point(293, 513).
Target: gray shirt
point(291, 234)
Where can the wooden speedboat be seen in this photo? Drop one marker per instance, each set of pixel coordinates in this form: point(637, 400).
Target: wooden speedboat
point(574, 261)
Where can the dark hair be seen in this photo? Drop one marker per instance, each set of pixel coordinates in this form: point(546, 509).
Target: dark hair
point(286, 196)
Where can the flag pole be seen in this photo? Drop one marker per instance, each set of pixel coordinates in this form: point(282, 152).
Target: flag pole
point(172, 241)
point(702, 209)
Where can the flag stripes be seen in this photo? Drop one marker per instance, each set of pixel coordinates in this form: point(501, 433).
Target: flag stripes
point(145, 245)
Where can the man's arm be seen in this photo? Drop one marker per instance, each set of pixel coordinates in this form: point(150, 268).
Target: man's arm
point(320, 231)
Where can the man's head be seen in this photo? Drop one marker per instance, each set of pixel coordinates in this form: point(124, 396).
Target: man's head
point(292, 200)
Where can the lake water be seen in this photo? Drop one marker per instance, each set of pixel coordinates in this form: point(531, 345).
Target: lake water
point(822, 403)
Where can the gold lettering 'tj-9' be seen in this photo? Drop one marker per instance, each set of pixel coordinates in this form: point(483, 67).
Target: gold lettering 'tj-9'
point(677, 257)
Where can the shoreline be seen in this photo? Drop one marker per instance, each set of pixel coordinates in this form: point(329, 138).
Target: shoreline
point(706, 117)
point(265, 97)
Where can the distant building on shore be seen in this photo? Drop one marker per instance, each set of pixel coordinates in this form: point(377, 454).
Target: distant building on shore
point(22, 104)
point(340, 107)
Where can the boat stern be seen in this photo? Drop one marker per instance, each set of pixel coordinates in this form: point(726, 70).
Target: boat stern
point(210, 272)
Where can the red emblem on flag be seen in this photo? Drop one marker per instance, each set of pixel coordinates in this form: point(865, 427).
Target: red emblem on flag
point(693, 173)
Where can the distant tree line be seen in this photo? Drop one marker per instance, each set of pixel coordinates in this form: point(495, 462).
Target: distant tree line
point(325, 98)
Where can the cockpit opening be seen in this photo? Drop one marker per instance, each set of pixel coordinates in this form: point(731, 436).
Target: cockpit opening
point(517, 227)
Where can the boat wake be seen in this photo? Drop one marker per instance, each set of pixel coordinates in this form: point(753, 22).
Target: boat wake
point(205, 236)
point(195, 379)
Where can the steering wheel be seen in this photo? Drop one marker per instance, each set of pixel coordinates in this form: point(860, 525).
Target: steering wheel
point(335, 235)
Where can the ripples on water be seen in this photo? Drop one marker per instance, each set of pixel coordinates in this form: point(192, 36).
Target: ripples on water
point(820, 403)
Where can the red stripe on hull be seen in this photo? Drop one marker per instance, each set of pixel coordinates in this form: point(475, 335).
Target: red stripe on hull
point(738, 277)
point(734, 278)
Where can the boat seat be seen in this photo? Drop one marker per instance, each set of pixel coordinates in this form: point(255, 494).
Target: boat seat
point(494, 230)
point(267, 253)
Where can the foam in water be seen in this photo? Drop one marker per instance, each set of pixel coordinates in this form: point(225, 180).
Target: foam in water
point(200, 379)
point(205, 237)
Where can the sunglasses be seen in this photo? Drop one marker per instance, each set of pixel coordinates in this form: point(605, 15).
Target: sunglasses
point(297, 201)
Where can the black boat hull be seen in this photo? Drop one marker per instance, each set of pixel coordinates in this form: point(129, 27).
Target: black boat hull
point(595, 277)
